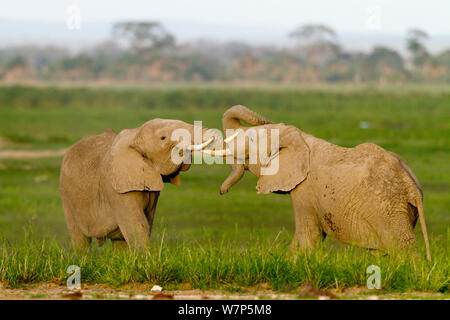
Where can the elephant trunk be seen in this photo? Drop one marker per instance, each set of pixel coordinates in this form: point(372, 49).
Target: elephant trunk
point(232, 118)
point(237, 171)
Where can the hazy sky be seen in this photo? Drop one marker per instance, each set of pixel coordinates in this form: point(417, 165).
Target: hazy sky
point(394, 16)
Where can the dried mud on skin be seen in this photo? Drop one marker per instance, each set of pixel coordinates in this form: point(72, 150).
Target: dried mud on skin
point(143, 292)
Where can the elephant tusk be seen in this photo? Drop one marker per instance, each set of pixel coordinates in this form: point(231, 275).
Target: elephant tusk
point(196, 147)
point(223, 152)
point(232, 137)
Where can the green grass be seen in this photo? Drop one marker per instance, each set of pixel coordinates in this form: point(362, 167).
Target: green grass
point(225, 263)
point(212, 241)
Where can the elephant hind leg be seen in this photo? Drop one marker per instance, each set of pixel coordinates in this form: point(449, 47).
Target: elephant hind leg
point(404, 242)
point(400, 235)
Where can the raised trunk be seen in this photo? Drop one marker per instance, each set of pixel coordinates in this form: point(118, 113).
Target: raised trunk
point(232, 118)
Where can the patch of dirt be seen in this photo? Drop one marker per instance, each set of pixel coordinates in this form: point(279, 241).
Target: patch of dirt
point(142, 292)
point(31, 154)
point(310, 291)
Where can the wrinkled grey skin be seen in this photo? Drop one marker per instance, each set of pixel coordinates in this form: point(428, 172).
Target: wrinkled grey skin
point(365, 195)
point(110, 183)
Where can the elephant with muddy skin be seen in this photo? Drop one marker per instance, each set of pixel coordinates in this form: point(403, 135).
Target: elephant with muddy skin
point(365, 195)
point(110, 183)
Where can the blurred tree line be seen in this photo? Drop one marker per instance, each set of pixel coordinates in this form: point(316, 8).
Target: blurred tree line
point(146, 51)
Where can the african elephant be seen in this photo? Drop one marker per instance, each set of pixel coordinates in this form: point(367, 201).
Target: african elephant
point(365, 195)
point(110, 183)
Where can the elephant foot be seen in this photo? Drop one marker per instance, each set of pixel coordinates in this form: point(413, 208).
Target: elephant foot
point(297, 247)
point(305, 244)
point(294, 246)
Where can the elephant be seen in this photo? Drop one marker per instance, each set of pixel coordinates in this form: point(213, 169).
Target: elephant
point(364, 196)
point(110, 183)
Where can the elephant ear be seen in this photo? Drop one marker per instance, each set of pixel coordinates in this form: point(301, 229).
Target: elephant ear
point(129, 169)
point(293, 163)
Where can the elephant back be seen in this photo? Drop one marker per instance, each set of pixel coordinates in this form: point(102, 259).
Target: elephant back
point(82, 160)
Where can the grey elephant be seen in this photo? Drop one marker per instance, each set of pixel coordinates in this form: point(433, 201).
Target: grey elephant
point(365, 195)
point(110, 183)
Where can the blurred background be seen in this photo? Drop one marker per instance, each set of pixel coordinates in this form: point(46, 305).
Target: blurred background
point(272, 41)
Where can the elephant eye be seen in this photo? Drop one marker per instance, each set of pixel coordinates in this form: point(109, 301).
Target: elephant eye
point(163, 137)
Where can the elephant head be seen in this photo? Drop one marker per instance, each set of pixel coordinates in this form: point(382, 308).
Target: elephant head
point(142, 159)
point(291, 152)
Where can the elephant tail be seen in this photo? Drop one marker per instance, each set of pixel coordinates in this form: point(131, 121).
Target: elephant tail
point(419, 206)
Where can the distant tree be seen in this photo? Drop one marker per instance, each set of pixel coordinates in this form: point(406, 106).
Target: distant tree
point(414, 43)
point(318, 42)
point(444, 58)
point(106, 49)
point(386, 56)
point(143, 36)
point(38, 59)
point(17, 62)
point(384, 64)
point(16, 69)
point(83, 66)
point(440, 66)
point(313, 33)
point(203, 68)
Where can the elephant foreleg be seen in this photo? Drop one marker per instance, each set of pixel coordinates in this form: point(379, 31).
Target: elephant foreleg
point(151, 208)
point(129, 212)
point(308, 231)
point(237, 171)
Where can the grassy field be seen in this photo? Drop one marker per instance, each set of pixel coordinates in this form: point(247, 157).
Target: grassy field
point(201, 239)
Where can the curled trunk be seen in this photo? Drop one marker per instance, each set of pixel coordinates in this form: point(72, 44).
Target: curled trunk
point(232, 118)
